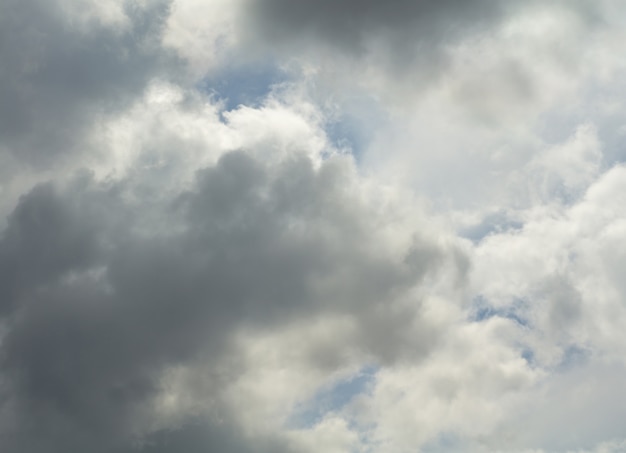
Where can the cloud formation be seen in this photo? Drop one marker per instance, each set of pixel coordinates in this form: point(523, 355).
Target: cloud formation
point(104, 293)
point(350, 26)
point(67, 65)
point(409, 238)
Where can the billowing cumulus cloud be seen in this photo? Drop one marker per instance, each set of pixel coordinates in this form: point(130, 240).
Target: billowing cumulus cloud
point(293, 227)
point(107, 288)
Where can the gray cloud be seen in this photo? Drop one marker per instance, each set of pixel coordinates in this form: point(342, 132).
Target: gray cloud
point(199, 436)
point(402, 38)
point(400, 48)
point(270, 263)
point(43, 241)
point(100, 304)
point(57, 75)
point(406, 25)
point(349, 24)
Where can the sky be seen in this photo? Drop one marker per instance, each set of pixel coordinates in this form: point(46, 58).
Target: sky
point(348, 226)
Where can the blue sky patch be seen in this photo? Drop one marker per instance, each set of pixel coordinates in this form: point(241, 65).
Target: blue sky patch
point(573, 356)
point(444, 442)
point(528, 355)
point(332, 398)
point(482, 311)
point(243, 84)
point(494, 223)
point(355, 126)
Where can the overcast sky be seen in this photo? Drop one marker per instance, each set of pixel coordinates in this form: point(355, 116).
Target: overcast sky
point(277, 226)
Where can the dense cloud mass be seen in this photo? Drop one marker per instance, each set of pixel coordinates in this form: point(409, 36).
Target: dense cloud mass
point(352, 25)
point(100, 305)
point(63, 64)
point(292, 227)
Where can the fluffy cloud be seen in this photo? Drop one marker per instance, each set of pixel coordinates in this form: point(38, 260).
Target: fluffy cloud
point(107, 287)
point(279, 227)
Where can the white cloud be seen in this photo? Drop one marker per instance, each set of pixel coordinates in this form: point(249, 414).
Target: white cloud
point(182, 271)
point(203, 32)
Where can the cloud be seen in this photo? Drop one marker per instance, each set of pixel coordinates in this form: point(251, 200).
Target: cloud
point(199, 437)
point(65, 65)
point(241, 226)
point(350, 25)
point(100, 303)
point(400, 49)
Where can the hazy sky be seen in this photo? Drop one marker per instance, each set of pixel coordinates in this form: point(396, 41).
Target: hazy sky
point(279, 226)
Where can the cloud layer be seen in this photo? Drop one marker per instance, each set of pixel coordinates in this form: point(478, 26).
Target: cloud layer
point(271, 226)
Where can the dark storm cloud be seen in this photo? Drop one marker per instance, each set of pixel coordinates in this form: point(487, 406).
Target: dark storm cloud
point(404, 30)
point(45, 239)
point(200, 437)
point(57, 76)
point(404, 38)
point(349, 23)
point(99, 304)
